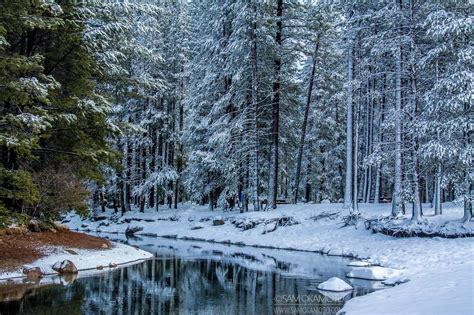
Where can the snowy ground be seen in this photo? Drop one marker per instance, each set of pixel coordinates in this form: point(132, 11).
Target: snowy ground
point(440, 270)
point(84, 259)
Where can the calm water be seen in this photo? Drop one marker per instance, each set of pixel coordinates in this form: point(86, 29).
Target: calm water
point(196, 278)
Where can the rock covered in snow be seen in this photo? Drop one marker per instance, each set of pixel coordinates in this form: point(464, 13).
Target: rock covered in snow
point(373, 273)
point(218, 221)
point(33, 273)
point(325, 201)
point(359, 264)
point(396, 281)
point(65, 267)
point(196, 227)
point(334, 284)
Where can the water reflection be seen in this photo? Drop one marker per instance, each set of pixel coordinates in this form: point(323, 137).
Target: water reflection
point(192, 278)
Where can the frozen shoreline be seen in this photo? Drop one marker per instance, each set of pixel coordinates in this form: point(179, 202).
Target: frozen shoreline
point(426, 262)
point(84, 260)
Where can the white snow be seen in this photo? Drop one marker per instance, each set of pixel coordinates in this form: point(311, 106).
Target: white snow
point(422, 260)
point(440, 292)
point(373, 273)
point(334, 284)
point(85, 259)
point(359, 264)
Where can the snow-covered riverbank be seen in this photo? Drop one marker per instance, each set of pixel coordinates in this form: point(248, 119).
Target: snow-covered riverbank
point(440, 270)
point(83, 259)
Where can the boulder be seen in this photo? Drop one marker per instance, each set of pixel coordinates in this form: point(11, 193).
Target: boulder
point(33, 273)
point(335, 285)
point(218, 221)
point(100, 267)
point(65, 267)
point(104, 246)
point(132, 229)
point(34, 225)
point(112, 265)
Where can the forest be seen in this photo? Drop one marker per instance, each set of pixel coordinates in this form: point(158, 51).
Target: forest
point(237, 104)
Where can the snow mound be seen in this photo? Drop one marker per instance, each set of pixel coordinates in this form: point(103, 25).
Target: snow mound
point(359, 264)
point(334, 284)
point(373, 273)
point(403, 227)
point(396, 281)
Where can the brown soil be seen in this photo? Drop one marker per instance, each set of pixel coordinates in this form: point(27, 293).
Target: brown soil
point(17, 250)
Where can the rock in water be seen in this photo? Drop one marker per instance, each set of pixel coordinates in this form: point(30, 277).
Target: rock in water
point(34, 273)
point(334, 284)
point(359, 264)
point(132, 229)
point(65, 267)
point(373, 273)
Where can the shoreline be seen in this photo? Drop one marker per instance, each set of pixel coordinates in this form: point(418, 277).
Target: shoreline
point(84, 258)
point(420, 260)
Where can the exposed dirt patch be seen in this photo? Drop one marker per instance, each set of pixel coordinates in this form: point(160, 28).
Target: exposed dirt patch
point(17, 250)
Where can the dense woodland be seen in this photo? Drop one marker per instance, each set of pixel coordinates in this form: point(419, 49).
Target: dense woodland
point(242, 104)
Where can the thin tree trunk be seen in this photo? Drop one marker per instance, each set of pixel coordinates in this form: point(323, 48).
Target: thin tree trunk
point(305, 121)
point(349, 136)
point(469, 187)
point(396, 202)
point(273, 180)
point(127, 161)
point(417, 210)
point(255, 197)
point(355, 201)
point(437, 190)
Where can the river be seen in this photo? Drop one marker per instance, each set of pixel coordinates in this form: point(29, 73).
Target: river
point(188, 277)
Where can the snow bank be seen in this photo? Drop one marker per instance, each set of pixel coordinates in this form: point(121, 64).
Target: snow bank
point(437, 292)
point(334, 284)
point(373, 273)
point(359, 264)
point(85, 259)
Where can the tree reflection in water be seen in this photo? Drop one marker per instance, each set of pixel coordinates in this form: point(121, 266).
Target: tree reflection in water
point(171, 284)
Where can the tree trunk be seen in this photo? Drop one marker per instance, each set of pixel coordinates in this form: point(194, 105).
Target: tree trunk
point(398, 122)
point(273, 180)
point(305, 122)
point(127, 166)
point(355, 201)
point(437, 190)
point(349, 136)
point(254, 111)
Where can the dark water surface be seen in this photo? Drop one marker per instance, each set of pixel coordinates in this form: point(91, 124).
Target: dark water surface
point(194, 278)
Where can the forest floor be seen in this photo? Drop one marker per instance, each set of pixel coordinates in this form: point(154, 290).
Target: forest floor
point(440, 271)
point(43, 249)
